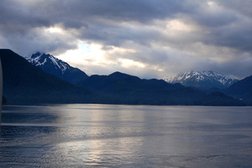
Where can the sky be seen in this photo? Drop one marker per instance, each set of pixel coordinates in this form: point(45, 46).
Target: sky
point(147, 38)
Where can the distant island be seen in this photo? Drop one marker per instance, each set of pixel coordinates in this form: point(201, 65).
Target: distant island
point(44, 79)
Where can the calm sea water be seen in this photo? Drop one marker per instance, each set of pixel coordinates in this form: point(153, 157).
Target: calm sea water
point(126, 136)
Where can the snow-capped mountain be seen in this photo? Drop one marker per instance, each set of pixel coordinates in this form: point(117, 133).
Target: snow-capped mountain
point(203, 80)
point(56, 67)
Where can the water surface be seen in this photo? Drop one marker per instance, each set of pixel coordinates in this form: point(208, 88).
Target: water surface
point(126, 136)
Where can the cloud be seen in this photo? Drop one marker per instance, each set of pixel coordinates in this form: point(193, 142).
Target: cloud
point(166, 36)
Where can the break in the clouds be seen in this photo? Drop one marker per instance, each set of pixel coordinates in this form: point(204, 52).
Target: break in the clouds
point(149, 38)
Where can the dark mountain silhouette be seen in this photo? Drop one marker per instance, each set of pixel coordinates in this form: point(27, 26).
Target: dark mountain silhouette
point(242, 90)
point(25, 83)
point(57, 67)
point(120, 88)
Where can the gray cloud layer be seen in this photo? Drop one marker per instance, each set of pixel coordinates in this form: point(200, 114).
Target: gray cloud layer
point(167, 36)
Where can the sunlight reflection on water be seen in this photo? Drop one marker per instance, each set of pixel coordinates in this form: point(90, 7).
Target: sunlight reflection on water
point(125, 136)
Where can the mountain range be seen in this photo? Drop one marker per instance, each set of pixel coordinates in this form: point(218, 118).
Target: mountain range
point(203, 80)
point(29, 82)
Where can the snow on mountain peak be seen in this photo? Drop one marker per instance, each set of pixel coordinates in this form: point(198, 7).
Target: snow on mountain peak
point(203, 79)
point(54, 66)
point(40, 59)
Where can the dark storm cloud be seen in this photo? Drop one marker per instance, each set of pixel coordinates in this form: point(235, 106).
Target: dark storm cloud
point(123, 10)
point(89, 17)
point(74, 13)
point(236, 36)
point(222, 28)
point(241, 7)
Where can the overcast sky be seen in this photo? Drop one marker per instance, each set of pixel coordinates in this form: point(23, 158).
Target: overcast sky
point(148, 38)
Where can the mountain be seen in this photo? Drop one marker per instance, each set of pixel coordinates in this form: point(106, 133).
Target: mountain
point(26, 84)
point(203, 80)
point(120, 88)
point(118, 82)
point(56, 67)
point(242, 90)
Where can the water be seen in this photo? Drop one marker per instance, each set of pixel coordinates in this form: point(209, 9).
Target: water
point(126, 136)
